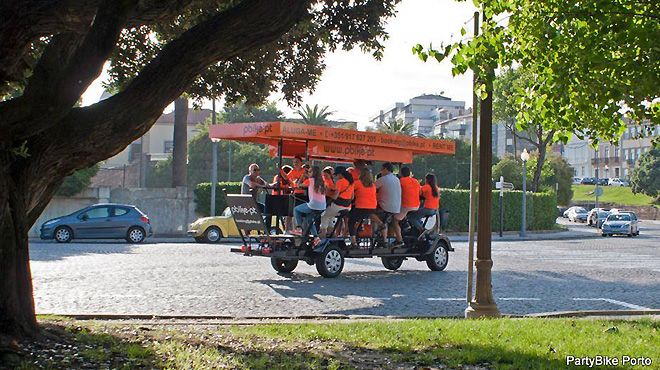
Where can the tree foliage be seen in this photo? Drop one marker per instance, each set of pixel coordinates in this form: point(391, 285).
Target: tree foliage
point(451, 171)
point(591, 63)
point(645, 177)
point(314, 115)
point(396, 127)
point(556, 175)
point(78, 181)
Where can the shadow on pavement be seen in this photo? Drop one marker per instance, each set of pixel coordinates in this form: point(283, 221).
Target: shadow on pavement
point(411, 293)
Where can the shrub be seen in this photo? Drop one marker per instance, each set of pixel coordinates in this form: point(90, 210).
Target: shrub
point(203, 196)
point(541, 210)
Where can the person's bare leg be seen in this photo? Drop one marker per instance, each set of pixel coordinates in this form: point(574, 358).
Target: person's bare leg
point(397, 230)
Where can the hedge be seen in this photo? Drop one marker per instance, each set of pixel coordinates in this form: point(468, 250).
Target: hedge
point(203, 197)
point(541, 207)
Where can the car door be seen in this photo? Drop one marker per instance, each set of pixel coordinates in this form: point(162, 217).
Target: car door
point(121, 221)
point(94, 222)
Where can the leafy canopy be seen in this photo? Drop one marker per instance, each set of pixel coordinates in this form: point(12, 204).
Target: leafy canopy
point(292, 64)
point(591, 63)
point(645, 177)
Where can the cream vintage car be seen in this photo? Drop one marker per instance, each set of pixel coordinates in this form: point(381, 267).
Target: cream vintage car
point(213, 229)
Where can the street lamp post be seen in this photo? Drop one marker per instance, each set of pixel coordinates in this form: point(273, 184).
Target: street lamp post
point(214, 165)
point(523, 223)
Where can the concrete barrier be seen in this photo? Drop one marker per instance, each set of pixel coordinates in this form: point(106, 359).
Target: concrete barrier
point(169, 209)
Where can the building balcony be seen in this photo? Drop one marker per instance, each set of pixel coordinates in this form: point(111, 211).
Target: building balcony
point(608, 161)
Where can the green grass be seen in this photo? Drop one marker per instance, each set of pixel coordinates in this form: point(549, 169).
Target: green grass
point(619, 195)
point(499, 344)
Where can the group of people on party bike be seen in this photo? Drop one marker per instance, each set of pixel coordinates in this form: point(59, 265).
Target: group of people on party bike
point(384, 199)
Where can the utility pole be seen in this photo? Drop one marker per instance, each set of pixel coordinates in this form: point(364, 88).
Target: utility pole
point(473, 175)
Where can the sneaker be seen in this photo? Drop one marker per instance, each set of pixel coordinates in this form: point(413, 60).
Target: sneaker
point(316, 241)
point(296, 231)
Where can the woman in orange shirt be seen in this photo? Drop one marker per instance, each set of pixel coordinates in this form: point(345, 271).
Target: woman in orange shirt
point(365, 201)
point(343, 195)
point(431, 195)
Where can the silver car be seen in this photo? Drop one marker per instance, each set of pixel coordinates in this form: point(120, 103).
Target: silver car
point(99, 221)
point(622, 224)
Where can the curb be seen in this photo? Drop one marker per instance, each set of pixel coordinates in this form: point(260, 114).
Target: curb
point(590, 313)
point(246, 320)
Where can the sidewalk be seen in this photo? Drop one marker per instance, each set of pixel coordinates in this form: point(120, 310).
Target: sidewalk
point(572, 232)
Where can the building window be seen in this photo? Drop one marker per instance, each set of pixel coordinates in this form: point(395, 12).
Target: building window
point(582, 173)
point(168, 146)
point(607, 152)
point(617, 172)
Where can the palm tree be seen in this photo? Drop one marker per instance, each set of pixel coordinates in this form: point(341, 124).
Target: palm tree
point(398, 127)
point(314, 116)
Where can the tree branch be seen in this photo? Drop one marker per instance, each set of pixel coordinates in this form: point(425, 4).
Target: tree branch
point(97, 132)
point(67, 67)
point(23, 21)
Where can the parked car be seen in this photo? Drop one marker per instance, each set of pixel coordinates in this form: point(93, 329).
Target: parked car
point(568, 210)
point(99, 221)
point(622, 224)
point(213, 229)
point(595, 215)
point(603, 181)
point(576, 214)
point(601, 217)
point(577, 180)
point(616, 182)
point(588, 181)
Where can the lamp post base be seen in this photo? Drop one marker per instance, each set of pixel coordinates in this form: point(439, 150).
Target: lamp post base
point(476, 310)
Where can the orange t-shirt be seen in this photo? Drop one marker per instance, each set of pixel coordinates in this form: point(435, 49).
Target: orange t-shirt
point(295, 175)
point(429, 200)
point(365, 197)
point(344, 189)
point(409, 192)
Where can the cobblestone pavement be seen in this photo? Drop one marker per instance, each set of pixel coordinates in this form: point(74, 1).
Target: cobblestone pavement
point(199, 279)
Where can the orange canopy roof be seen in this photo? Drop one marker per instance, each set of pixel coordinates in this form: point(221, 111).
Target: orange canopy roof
point(320, 142)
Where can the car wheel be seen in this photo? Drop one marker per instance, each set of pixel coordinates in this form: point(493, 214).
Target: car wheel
point(283, 266)
point(439, 257)
point(213, 234)
point(392, 263)
point(604, 235)
point(330, 263)
point(135, 235)
point(63, 234)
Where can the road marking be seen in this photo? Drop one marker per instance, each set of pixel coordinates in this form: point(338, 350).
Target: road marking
point(613, 301)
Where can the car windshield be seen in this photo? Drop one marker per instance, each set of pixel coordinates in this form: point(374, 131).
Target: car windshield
point(603, 214)
point(580, 210)
point(618, 217)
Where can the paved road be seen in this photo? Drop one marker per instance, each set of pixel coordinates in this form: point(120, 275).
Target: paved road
point(195, 279)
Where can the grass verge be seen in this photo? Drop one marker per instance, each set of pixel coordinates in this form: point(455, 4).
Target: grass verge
point(408, 344)
point(620, 195)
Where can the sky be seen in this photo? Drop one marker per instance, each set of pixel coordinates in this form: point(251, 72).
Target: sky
point(356, 86)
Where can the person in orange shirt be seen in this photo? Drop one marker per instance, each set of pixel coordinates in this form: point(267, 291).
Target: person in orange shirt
point(358, 165)
point(297, 175)
point(365, 201)
point(410, 191)
point(431, 195)
point(342, 198)
point(283, 179)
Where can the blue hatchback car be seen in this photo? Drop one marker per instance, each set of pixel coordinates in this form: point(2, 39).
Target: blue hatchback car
point(99, 221)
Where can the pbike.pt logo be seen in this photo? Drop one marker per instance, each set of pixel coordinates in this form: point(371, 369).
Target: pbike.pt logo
point(243, 210)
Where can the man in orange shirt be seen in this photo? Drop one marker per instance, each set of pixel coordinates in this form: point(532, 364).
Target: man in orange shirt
point(410, 191)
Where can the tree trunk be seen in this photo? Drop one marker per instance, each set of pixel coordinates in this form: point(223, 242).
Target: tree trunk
point(16, 302)
point(180, 152)
point(539, 167)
